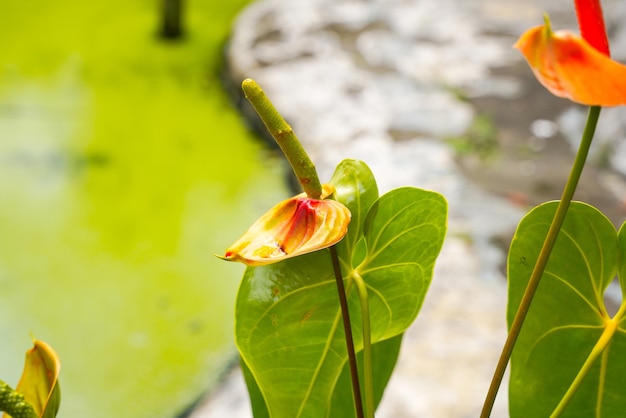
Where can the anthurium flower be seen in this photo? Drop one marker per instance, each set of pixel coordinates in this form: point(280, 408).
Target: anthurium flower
point(38, 387)
point(293, 227)
point(569, 67)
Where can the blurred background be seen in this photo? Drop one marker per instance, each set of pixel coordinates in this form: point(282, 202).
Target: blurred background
point(123, 168)
point(126, 162)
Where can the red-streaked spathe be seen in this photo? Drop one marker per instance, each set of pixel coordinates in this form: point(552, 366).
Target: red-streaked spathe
point(293, 227)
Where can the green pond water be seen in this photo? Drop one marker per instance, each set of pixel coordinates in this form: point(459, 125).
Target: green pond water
point(123, 168)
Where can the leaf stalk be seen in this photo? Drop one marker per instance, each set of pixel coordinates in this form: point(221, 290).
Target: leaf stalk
point(609, 329)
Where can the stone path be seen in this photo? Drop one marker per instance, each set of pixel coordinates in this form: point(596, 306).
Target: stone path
point(392, 82)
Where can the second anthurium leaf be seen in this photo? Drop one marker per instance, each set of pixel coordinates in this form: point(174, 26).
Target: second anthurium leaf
point(404, 232)
point(567, 317)
point(288, 322)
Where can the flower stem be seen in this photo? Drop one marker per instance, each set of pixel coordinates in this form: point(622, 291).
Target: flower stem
point(343, 301)
point(284, 136)
point(367, 345)
point(542, 260)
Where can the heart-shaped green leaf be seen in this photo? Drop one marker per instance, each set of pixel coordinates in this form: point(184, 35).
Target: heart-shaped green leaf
point(404, 232)
point(568, 315)
point(287, 316)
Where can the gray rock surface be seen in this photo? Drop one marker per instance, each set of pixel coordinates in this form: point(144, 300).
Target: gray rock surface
point(389, 82)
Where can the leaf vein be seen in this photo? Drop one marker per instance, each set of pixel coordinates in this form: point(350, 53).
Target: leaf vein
point(576, 291)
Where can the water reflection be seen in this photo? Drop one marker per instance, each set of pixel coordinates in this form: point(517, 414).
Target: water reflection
point(113, 197)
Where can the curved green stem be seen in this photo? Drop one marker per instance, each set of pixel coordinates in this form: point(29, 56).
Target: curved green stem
point(345, 312)
point(368, 383)
point(542, 260)
point(284, 136)
point(609, 329)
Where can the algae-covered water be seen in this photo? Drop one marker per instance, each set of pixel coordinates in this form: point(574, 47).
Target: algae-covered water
point(123, 168)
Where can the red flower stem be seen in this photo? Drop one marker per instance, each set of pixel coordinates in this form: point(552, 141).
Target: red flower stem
point(345, 312)
point(284, 136)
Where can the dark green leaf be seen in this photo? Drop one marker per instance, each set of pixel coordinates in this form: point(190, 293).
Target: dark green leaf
point(567, 316)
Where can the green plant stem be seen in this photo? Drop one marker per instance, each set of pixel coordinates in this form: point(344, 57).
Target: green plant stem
point(284, 136)
point(367, 345)
point(542, 260)
point(345, 313)
point(609, 329)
